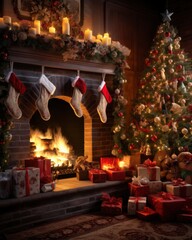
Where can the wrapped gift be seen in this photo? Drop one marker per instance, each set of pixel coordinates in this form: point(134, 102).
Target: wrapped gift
point(82, 174)
point(111, 205)
point(147, 214)
point(135, 204)
point(44, 165)
point(164, 184)
point(150, 170)
point(82, 167)
point(115, 174)
point(179, 188)
point(48, 187)
point(26, 181)
point(138, 190)
point(109, 162)
point(155, 186)
point(184, 217)
point(5, 184)
point(97, 175)
point(166, 205)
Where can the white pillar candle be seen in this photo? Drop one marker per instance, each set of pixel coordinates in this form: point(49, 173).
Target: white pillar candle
point(52, 30)
point(99, 36)
point(7, 19)
point(88, 35)
point(106, 34)
point(65, 26)
point(37, 25)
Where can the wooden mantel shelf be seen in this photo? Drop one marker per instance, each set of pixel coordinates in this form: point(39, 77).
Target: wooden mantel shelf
point(43, 58)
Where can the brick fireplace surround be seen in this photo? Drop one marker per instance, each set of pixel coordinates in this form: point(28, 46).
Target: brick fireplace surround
point(19, 214)
point(98, 139)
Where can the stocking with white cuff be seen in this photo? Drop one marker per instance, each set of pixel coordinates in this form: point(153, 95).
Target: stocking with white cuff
point(79, 89)
point(46, 90)
point(16, 87)
point(105, 98)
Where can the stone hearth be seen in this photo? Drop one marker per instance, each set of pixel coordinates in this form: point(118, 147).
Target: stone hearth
point(71, 197)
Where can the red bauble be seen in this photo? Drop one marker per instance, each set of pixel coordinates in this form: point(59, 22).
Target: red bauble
point(181, 79)
point(167, 34)
point(155, 52)
point(116, 146)
point(131, 146)
point(120, 114)
point(154, 70)
point(147, 61)
point(154, 138)
point(179, 67)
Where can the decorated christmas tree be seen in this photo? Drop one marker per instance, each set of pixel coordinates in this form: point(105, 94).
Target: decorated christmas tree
point(162, 111)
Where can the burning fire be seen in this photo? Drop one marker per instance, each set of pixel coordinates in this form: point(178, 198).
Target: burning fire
point(52, 145)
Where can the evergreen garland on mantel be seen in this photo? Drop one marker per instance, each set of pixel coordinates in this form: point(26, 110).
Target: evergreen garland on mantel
point(71, 49)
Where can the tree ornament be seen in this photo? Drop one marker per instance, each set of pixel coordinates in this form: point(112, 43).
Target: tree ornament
point(184, 131)
point(157, 120)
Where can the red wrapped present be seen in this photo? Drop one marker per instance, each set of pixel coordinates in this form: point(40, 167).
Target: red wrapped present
point(109, 162)
point(138, 190)
point(44, 165)
point(166, 205)
point(26, 181)
point(135, 203)
point(97, 175)
point(179, 188)
point(147, 214)
point(111, 205)
point(184, 217)
point(115, 174)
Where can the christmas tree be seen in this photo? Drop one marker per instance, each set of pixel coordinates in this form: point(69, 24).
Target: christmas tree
point(162, 111)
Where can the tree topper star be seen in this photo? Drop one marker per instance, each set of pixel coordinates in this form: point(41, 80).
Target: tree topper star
point(166, 16)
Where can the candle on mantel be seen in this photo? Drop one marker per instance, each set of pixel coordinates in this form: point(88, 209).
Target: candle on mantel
point(37, 25)
point(65, 26)
point(88, 35)
point(106, 39)
point(52, 30)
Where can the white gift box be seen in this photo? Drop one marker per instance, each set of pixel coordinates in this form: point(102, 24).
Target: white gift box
point(26, 181)
point(136, 204)
point(155, 186)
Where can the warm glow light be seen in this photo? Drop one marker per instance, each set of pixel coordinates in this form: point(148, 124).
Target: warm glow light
point(121, 164)
point(52, 146)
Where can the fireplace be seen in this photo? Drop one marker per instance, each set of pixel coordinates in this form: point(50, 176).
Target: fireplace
point(87, 135)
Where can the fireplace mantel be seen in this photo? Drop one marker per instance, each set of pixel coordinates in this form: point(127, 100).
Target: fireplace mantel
point(42, 58)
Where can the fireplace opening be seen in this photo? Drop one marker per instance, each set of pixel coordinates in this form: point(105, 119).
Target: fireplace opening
point(60, 139)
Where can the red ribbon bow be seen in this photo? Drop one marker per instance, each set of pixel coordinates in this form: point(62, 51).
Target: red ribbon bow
point(149, 163)
point(166, 196)
point(178, 181)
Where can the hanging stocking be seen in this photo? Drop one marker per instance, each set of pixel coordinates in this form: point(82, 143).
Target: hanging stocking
point(46, 90)
point(105, 98)
point(79, 89)
point(15, 89)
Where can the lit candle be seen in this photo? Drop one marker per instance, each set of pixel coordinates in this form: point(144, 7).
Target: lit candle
point(65, 26)
point(37, 25)
point(88, 34)
point(106, 34)
point(52, 30)
point(7, 19)
point(99, 36)
point(106, 39)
